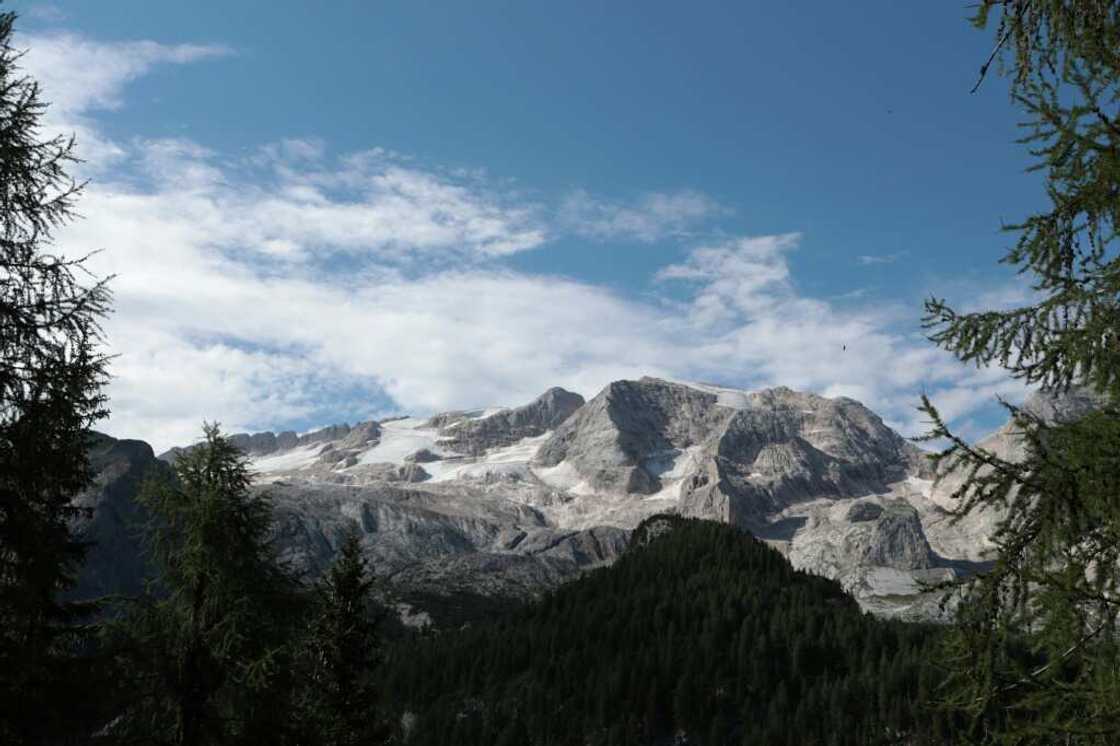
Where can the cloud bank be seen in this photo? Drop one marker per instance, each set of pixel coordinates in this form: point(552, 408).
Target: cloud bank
point(298, 287)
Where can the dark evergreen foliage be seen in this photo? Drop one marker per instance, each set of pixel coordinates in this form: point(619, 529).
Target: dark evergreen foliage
point(703, 632)
point(336, 703)
point(205, 653)
point(1054, 591)
point(51, 377)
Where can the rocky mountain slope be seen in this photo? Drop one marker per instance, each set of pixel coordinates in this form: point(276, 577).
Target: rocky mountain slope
point(506, 502)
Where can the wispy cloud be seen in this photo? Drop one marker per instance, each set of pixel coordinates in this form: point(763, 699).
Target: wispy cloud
point(867, 259)
point(651, 217)
point(104, 67)
point(80, 76)
point(295, 283)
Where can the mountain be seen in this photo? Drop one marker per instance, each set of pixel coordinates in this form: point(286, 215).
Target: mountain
point(505, 503)
point(969, 538)
point(115, 561)
point(699, 634)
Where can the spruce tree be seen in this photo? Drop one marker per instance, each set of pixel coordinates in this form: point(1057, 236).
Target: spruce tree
point(338, 701)
point(1034, 655)
point(204, 649)
point(51, 377)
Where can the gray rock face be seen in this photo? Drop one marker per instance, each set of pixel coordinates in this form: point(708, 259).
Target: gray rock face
point(476, 436)
point(1064, 406)
point(510, 503)
point(324, 435)
point(422, 456)
point(287, 439)
point(787, 447)
point(609, 440)
point(755, 456)
point(897, 540)
point(362, 435)
point(969, 537)
point(863, 511)
point(342, 436)
point(115, 563)
point(387, 473)
point(431, 541)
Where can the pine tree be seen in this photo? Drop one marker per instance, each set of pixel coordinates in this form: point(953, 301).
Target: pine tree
point(338, 700)
point(204, 648)
point(51, 378)
point(1034, 654)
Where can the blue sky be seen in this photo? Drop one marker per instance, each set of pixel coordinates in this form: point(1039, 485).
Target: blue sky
point(323, 212)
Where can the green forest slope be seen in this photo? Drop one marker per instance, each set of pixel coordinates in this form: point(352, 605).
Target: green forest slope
point(699, 634)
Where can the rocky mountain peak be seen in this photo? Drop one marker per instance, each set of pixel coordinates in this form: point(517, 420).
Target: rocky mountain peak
point(505, 427)
point(1063, 406)
point(750, 452)
point(514, 500)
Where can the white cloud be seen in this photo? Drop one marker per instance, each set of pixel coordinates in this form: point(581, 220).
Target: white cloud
point(263, 291)
point(203, 332)
point(652, 217)
point(750, 317)
point(868, 259)
point(304, 209)
point(79, 76)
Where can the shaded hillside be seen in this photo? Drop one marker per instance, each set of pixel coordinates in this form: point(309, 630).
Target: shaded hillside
point(699, 633)
point(115, 563)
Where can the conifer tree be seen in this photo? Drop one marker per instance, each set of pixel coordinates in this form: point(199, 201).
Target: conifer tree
point(204, 649)
point(338, 700)
point(51, 377)
point(1034, 654)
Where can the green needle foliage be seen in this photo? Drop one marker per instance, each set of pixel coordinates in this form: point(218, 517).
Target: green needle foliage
point(204, 651)
point(338, 700)
point(698, 634)
point(1035, 651)
point(51, 376)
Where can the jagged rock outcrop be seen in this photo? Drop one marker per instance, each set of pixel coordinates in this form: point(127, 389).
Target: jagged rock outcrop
point(751, 455)
point(476, 436)
point(509, 502)
point(387, 473)
point(614, 442)
point(422, 456)
point(430, 541)
point(897, 540)
point(115, 563)
point(969, 537)
point(364, 434)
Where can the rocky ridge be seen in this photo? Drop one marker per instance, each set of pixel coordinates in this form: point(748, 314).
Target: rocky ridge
point(508, 502)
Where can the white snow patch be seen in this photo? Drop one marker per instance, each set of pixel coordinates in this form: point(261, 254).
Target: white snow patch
point(296, 458)
point(725, 397)
point(406, 423)
point(924, 487)
point(564, 476)
point(671, 464)
point(401, 438)
point(509, 460)
point(669, 491)
point(671, 467)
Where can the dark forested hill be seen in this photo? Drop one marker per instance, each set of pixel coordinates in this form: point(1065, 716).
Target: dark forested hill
point(699, 634)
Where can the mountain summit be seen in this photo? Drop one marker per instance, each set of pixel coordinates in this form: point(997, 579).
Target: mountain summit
point(506, 502)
